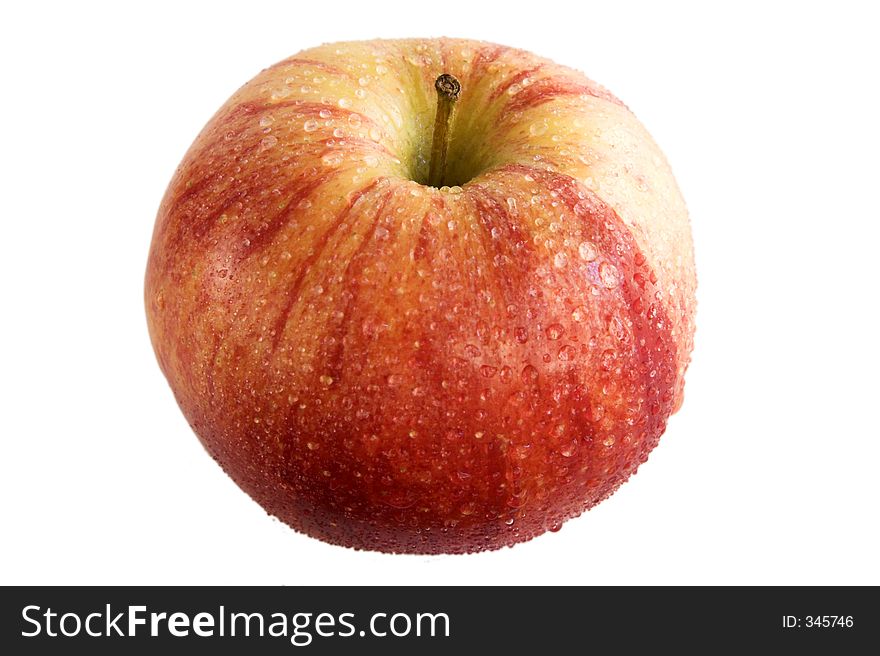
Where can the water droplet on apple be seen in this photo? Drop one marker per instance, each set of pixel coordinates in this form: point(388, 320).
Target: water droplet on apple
point(310, 126)
point(326, 380)
point(360, 93)
point(587, 251)
point(617, 329)
point(529, 374)
point(555, 331)
point(608, 274)
point(354, 120)
point(488, 371)
point(537, 129)
point(345, 103)
point(375, 134)
point(312, 446)
point(268, 142)
point(363, 81)
point(266, 121)
point(579, 313)
point(606, 361)
point(372, 161)
point(521, 334)
point(333, 158)
point(514, 89)
point(496, 232)
point(560, 260)
point(567, 353)
point(325, 113)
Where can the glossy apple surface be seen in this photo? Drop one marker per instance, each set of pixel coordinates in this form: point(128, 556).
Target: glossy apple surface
point(391, 366)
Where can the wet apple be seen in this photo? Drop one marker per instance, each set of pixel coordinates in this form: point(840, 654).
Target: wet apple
point(424, 295)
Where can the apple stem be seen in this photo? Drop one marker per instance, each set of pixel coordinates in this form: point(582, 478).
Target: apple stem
point(448, 89)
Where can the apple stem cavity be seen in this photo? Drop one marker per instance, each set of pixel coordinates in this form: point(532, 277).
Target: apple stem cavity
point(448, 89)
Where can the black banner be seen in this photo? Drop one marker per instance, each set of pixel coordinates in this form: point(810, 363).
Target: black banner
point(407, 620)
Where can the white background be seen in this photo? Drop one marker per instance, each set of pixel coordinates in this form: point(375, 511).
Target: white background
point(769, 116)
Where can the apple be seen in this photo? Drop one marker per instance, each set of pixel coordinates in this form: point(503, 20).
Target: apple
point(423, 296)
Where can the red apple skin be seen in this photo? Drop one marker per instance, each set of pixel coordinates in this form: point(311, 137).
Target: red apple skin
point(388, 366)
